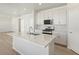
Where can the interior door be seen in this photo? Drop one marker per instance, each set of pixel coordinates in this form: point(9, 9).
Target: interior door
point(73, 27)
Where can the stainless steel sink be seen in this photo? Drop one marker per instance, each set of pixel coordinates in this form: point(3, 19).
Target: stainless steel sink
point(34, 33)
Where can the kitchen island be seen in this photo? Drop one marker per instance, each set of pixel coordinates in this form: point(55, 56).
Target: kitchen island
point(33, 44)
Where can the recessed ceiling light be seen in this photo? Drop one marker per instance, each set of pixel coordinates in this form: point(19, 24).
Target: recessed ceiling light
point(14, 12)
point(8, 16)
point(40, 3)
point(24, 8)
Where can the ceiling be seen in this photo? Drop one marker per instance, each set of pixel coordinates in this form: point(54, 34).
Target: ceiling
point(12, 9)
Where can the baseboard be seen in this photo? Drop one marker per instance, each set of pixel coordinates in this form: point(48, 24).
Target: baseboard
point(7, 32)
point(75, 52)
point(16, 51)
point(61, 44)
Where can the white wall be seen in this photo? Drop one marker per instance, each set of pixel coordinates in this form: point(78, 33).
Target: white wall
point(5, 23)
point(59, 16)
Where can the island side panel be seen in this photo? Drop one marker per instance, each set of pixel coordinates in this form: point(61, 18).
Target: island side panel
point(25, 47)
point(51, 47)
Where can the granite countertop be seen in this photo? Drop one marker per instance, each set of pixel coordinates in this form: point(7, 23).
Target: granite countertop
point(40, 39)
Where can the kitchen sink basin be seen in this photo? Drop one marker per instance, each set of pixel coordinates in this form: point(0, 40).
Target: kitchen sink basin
point(34, 34)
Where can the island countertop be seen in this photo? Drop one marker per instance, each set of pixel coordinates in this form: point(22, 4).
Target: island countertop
point(41, 39)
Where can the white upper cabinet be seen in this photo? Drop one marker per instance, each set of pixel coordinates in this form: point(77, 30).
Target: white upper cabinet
point(57, 14)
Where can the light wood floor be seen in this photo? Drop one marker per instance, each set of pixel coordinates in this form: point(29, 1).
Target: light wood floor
point(6, 47)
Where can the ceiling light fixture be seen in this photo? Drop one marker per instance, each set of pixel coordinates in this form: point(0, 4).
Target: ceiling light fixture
point(8, 16)
point(14, 12)
point(24, 8)
point(40, 3)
